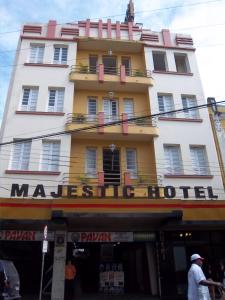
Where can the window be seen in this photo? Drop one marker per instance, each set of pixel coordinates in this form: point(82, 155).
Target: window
point(190, 101)
point(181, 61)
point(36, 54)
point(166, 104)
point(29, 100)
point(173, 161)
point(56, 100)
point(60, 55)
point(91, 164)
point(131, 159)
point(93, 61)
point(21, 155)
point(199, 160)
point(92, 109)
point(159, 61)
point(126, 62)
point(129, 107)
point(50, 155)
point(110, 108)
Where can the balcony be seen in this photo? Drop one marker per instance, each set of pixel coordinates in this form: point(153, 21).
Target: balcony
point(108, 78)
point(118, 127)
point(112, 184)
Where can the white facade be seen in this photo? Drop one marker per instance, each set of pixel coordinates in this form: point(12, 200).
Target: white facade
point(183, 133)
point(18, 125)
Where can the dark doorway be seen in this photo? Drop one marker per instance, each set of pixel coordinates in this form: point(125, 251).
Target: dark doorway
point(110, 65)
point(111, 167)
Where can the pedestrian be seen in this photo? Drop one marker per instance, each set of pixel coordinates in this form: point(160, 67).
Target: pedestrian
point(70, 273)
point(197, 283)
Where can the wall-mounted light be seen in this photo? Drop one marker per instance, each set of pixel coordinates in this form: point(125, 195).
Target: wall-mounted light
point(110, 52)
point(111, 94)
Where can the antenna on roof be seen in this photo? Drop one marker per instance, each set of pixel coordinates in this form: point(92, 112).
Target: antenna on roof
point(130, 12)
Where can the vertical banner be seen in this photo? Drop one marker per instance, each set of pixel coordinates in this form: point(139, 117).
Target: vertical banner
point(58, 278)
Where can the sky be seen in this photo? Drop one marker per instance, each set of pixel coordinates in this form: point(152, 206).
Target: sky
point(202, 19)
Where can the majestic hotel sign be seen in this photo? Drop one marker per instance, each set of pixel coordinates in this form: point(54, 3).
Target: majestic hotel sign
point(126, 191)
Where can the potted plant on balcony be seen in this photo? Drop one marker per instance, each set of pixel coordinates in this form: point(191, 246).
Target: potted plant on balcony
point(79, 118)
point(139, 73)
point(84, 180)
point(83, 69)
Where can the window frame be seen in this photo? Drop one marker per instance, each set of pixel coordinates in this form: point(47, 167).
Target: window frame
point(92, 117)
point(197, 168)
point(186, 65)
point(133, 171)
point(60, 60)
point(90, 174)
point(50, 166)
point(22, 158)
point(165, 105)
point(163, 53)
point(190, 114)
point(37, 59)
point(28, 106)
point(56, 99)
point(171, 167)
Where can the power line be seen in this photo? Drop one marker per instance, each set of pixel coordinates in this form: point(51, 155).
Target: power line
point(108, 124)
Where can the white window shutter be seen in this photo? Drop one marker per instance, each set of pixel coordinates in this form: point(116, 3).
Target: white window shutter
point(129, 107)
point(60, 100)
point(173, 161)
point(92, 109)
point(21, 156)
point(106, 109)
point(50, 155)
point(199, 161)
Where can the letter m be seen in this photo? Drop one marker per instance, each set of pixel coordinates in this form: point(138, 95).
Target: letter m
point(16, 191)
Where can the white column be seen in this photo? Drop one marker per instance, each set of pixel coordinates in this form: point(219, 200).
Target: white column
point(58, 278)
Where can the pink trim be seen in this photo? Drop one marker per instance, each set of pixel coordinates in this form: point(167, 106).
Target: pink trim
point(109, 29)
point(87, 28)
point(124, 124)
point(180, 119)
point(184, 40)
point(122, 74)
point(31, 172)
point(167, 47)
point(189, 176)
point(118, 30)
point(101, 178)
point(101, 73)
point(130, 30)
point(166, 37)
point(127, 179)
point(26, 37)
point(69, 31)
point(101, 122)
point(51, 29)
point(149, 37)
point(46, 65)
point(40, 113)
point(100, 29)
point(172, 73)
point(32, 29)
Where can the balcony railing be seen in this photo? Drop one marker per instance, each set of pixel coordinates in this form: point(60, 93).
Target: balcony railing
point(101, 118)
point(86, 69)
point(100, 178)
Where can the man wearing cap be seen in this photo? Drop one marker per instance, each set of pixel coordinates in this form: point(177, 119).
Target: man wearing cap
point(197, 283)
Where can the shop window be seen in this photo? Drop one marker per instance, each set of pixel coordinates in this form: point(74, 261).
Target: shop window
point(159, 61)
point(173, 160)
point(182, 64)
point(50, 155)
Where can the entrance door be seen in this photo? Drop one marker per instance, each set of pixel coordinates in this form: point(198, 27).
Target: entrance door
point(111, 167)
point(109, 65)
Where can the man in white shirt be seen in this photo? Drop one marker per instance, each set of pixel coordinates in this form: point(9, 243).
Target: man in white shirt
point(197, 283)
